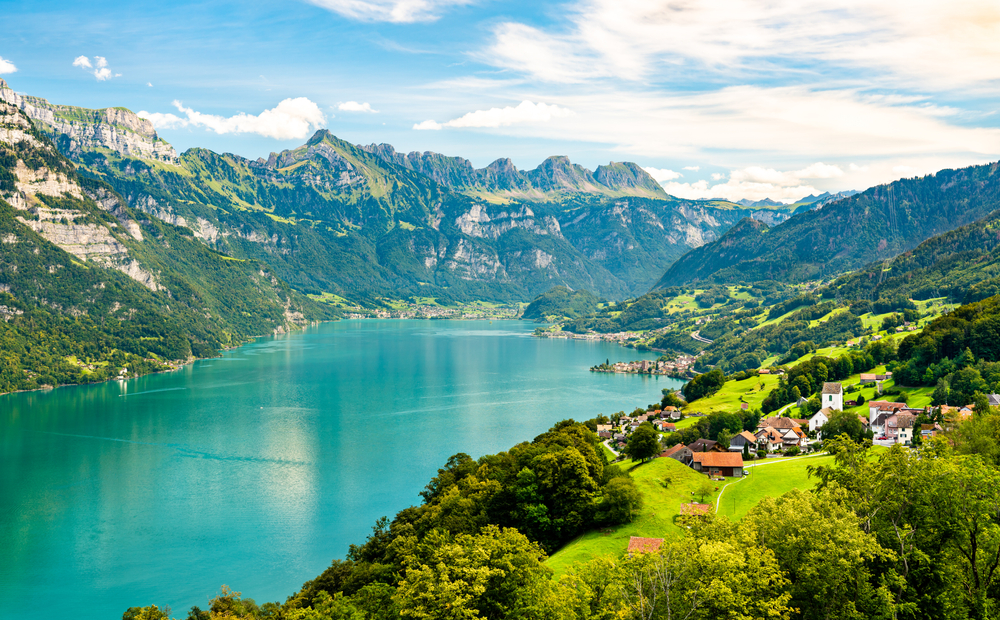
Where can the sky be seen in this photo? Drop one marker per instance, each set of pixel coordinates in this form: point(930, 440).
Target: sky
point(716, 98)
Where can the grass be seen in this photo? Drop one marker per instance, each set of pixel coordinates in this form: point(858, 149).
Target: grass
point(728, 398)
point(660, 507)
point(768, 479)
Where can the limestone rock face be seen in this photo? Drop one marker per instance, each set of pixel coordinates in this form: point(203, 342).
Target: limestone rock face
point(79, 129)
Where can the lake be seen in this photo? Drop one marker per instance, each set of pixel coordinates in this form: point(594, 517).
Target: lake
point(258, 468)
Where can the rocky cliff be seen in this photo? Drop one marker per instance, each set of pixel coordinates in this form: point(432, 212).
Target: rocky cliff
point(79, 129)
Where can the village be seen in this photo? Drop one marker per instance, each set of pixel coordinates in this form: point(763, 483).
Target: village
point(679, 366)
point(775, 439)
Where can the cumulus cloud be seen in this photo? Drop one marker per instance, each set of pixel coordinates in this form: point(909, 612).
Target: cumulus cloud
point(354, 106)
point(292, 118)
point(757, 183)
point(428, 126)
point(6, 66)
point(944, 43)
point(662, 174)
point(396, 11)
point(99, 67)
point(692, 168)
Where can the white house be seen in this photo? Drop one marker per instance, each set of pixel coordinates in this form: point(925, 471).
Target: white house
point(820, 418)
point(832, 396)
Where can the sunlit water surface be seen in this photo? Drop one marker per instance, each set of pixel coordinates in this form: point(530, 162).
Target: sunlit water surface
point(258, 468)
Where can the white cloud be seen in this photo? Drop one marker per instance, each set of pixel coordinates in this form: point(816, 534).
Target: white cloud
point(718, 176)
point(857, 168)
point(942, 43)
point(354, 106)
point(396, 11)
point(292, 118)
point(757, 183)
point(524, 112)
point(6, 66)
point(662, 174)
point(149, 84)
point(101, 71)
point(692, 168)
point(428, 126)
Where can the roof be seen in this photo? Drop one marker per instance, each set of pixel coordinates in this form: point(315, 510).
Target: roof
point(695, 509)
point(698, 445)
point(644, 545)
point(670, 408)
point(673, 450)
point(826, 412)
point(777, 423)
point(748, 436)
point(884, 404)
point(719, 459)
point(771, 434)
point(832, 388)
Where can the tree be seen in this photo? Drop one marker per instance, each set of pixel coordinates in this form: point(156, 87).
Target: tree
point(705, 489)
point(794, 394)
point(644, 443)
point(843, 423)
point(493, 575)
point(724, 438)
point(621, 500)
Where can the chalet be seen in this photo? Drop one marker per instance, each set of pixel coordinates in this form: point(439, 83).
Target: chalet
point(638, 545)
point(820, 418)
point(705, 445)
point(792, 437)
point(744, 439)
point(832, 396)
point(728, 464)
point(680, 452)
point(769, 439)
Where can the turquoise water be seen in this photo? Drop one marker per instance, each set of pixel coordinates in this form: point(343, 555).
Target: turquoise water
point(257, 469)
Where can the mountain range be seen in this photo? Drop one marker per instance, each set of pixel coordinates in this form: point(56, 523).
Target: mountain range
point(366, 221)
point(875, 225)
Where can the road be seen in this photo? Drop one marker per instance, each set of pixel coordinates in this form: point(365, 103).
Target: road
point(697, 336)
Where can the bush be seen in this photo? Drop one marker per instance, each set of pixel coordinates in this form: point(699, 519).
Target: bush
point(793, 451)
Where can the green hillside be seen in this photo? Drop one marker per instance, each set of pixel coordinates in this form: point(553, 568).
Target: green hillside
point(876, 224)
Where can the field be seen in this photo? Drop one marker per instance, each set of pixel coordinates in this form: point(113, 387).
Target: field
point(661, 506)
point(728, 398)
point(770, 478)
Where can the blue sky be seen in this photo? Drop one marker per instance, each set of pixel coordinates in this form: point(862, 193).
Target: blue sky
point(729, 98)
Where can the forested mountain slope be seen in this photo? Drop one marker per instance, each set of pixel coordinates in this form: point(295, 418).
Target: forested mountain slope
point(366, 221)
point(89, 285)
point(876, 224)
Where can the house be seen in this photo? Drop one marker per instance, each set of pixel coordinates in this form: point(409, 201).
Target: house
point(792, 437)
point(675, 415)
point(601, 428)
point(680, 452)
point(870, 377)
point(728, 464)
point(899, 428)
point(744, 406)
point(769, 439)
point(643, 545)
point(746, 438)
point(667, 427)
point(604, 434)
point(763, 371)
point(618, 437)
point(820, 418)
point(930, 430)
point(832, 396)
point(994, 400)
point(704, 445)
point(875, 407)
